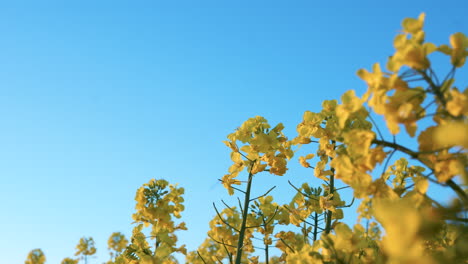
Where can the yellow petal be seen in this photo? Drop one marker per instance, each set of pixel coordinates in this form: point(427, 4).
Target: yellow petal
point(452, 134)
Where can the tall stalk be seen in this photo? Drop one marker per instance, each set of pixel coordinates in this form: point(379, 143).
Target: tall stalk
point(330, 213)
point(245, 210)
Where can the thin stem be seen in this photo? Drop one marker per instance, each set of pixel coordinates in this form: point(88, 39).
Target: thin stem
point(227, 252)
point(227, 206)
point(240, 204)
point(263, 195)
point(348, 205)
point(201, 257)
point(298, 190)
point(219, 242)
point(450, 75)
point(409, 73)
point(237, 189)
point(315, 226)
point(330, 213)
point(300, 218)
point(265, 223)
point(396, 146)
point(386, 163)
point(376, 127)
point(242, 154)
point(341, 188)
point(415, 80)
point(221, 218)
point(286, 244)
point(240, 243)
point(433, 74)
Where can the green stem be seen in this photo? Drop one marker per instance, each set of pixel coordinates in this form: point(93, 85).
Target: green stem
point(396, 146)
point(240, 243)
point(330, 213)
point(315, 225)
point(267, 253)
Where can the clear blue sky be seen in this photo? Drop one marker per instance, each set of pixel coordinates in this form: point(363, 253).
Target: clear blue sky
point(98, 97)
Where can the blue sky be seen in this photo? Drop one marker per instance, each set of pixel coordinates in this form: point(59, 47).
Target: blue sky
point(98, 97)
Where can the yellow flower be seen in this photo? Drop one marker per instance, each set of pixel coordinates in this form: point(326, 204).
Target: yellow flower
point(303, 160)
point(458, 103)
point(229, 180)
point(326, 203)
point(320, 172)
point(452, 134)
point(447, 168)
point(458, 52)
point(253, 260)
point(410, 49)
point(358, 142)
point(258, 167)
point(350, 104)
point(412, 25)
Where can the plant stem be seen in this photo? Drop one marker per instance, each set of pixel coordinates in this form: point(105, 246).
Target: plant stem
point(330, 213)
point(245, 210)
point(315, 225)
